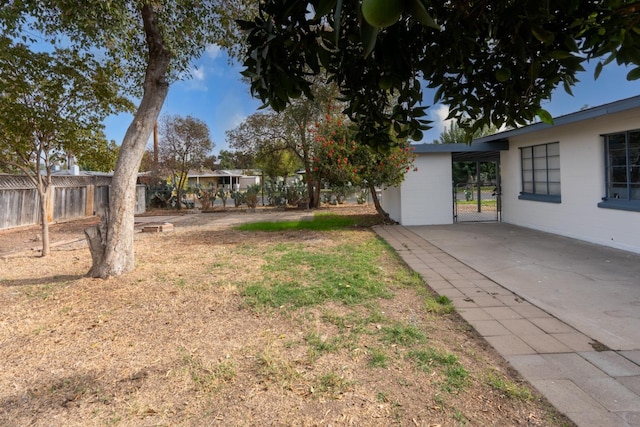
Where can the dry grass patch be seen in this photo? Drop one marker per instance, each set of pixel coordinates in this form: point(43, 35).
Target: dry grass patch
point(219, 326)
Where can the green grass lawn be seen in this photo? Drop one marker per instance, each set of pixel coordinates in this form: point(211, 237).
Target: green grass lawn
point(488, 203)
point(320, 222)
point(296, 276)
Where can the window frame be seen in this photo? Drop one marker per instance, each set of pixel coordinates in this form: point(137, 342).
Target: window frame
point(536, 194)
point(609, 202)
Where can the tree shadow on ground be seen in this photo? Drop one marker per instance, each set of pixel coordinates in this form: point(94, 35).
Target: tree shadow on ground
point(48, 280)
point(49, 395)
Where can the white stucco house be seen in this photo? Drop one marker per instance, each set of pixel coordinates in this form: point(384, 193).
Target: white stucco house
point(235, 179)
point(579, 177)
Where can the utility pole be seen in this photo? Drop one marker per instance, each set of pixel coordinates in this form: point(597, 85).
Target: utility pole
point(155, 146)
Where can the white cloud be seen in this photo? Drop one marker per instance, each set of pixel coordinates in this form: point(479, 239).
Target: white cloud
point(198, 73)
point(194, 79)
point(440, 122)
point(213, 51)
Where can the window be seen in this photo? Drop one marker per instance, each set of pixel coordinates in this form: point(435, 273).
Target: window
point(541, 172)
point(622, 163)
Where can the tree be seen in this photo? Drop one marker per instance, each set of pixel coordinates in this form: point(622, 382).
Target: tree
point(267, 135)
point(51, 107)
point(100, 157)
point(454, 134)
point(184, 145)
point(210, 162)
point(465, 171)
point(341, 159)
point(277, 163)
point(236, 159)
point(149, 44)
point(290, 129)
point(147, 164)
point(491, 62)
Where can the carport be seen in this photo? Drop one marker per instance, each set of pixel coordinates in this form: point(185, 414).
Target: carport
point(432, 195)
point(595, 289)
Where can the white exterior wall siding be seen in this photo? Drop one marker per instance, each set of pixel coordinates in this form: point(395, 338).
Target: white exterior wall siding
point(246, 181)
point(391, 202)
point(582, 180)
point(425, 196)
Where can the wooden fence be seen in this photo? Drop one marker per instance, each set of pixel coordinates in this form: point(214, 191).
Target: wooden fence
point(71, 197)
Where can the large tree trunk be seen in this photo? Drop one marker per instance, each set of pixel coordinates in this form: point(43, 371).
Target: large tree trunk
point(316, 192)
point(310, 177)
point(310, 186)
point(384, 216)
point(112, 246)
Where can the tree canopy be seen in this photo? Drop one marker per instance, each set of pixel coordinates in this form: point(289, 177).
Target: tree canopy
point(236, 160)
point(185, 144)
point(341, 160)
point(492, 61)
point(51, 106)
point(454, 134)
point(290, 130)
point(145, 45)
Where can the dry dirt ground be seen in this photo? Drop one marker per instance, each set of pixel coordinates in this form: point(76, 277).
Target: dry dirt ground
point(175, 342)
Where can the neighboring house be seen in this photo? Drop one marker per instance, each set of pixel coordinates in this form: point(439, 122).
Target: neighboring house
point(229, 179)
point(579, 177)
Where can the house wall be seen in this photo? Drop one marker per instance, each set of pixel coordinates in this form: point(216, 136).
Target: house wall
point(204, 181)
point(239, 182)
point(246, 181)
point(391, 201)
point(425, 197)
point(582, 180)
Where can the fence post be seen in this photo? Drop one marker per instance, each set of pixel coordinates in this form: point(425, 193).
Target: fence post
point(89, 208)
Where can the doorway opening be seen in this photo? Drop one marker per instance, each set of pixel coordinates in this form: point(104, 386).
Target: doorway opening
point(476, 188)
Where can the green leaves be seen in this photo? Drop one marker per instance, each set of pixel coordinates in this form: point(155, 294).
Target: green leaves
point(56, 104)
point(369, 35)
point(323, 8)
point(495, 65)
point(545, 116)
point(337, 19)
point(546, 37)
point(419, 12)
point(503, 74)
point(634, 74)
point(273, 55)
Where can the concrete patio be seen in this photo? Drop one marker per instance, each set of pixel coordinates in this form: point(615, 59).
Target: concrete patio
point(564, 313)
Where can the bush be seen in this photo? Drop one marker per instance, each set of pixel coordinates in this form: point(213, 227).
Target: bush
point(239, 198)
point(251, 196)
point(296, 193)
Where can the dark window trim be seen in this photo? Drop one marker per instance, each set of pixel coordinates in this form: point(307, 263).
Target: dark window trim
point(537, 197)
point(612, 203)
point(540, 197)
point(621, 205)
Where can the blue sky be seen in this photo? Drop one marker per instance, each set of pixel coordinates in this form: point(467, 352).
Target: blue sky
point(216, 95)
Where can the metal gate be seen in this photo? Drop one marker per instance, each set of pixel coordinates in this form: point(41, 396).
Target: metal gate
point(476, 202)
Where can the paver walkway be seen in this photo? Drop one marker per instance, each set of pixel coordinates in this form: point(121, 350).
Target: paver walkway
point(592, 385)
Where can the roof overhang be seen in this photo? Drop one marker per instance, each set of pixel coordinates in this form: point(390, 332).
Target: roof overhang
point(579, 116)
point(476, 151)
point(488, 148)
